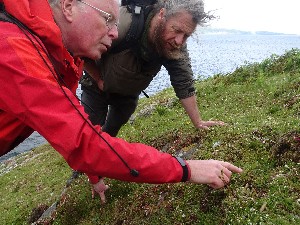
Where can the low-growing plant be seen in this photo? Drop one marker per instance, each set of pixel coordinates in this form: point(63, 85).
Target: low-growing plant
point(260, 104)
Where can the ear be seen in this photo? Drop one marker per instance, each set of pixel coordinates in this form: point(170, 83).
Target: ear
point(67, 7)
point(161, 13)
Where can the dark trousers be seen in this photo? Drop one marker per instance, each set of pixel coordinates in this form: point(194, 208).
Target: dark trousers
point(111, 111)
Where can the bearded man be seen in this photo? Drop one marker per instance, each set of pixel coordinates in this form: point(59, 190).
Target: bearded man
point(111, 86)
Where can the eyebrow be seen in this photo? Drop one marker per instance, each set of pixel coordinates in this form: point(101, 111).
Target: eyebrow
point(181, 30)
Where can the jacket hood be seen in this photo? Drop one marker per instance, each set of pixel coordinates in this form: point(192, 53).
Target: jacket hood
point(37, 16)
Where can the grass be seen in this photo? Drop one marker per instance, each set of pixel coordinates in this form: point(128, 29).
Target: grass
point(259, 102)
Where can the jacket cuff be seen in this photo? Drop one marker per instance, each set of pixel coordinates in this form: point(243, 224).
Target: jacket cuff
point(93, 179)
point(186, 94)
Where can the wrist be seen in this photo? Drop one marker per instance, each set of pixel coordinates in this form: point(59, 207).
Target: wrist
point(185, 169)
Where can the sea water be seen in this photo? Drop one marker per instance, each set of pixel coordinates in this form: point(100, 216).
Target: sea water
point(222, 53)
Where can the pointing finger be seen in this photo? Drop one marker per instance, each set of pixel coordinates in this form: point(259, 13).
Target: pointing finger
point(231, 167)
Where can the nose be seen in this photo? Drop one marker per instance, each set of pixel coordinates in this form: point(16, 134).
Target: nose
point(113, 33)
point(180, 39)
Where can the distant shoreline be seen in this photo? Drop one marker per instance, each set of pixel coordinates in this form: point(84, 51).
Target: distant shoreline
point(208, 30)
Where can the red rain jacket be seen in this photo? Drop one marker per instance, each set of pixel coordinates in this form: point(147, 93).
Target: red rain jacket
point(31, 99)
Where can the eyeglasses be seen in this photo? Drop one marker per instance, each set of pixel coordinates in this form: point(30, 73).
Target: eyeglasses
point(110, 23)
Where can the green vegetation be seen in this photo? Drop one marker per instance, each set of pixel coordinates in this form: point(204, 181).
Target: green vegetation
point(260, 103)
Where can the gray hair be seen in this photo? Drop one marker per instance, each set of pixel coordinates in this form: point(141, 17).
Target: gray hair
point(53, 2)
point(194, 7)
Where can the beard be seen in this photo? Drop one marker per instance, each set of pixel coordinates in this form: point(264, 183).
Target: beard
point(160, 44)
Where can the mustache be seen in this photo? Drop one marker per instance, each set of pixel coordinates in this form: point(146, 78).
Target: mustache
point(175, 46)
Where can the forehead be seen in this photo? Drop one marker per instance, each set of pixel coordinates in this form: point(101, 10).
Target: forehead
point(109, 6)
point(183, 20)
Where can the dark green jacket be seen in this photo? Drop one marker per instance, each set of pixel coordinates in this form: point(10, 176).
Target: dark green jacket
point(129, 72)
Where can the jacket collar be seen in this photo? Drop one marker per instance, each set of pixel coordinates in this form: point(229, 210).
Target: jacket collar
point(37, 16)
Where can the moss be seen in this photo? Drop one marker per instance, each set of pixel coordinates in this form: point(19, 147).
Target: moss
point(260, 104)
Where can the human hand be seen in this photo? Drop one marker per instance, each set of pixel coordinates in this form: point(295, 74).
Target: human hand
point(206, 124)
point(214, 173)
point(100, 188)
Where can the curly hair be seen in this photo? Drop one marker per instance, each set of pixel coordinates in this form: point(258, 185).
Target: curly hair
point(194, 7)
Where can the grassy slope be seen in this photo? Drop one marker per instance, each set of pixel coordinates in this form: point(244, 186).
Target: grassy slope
point(260, 103)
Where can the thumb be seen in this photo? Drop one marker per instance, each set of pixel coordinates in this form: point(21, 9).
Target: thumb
point(102, 197)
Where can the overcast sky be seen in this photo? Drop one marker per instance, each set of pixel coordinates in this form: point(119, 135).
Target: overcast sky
point(256, 15)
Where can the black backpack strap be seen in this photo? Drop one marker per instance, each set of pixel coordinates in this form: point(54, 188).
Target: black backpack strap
point(137, 24)
point(138, 2)
point(139, 13)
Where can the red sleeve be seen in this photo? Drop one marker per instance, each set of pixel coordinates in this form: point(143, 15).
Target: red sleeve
point(30, 94)
point(93, 179)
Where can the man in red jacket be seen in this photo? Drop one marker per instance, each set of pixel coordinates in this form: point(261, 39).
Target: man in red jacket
point(41, 47)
